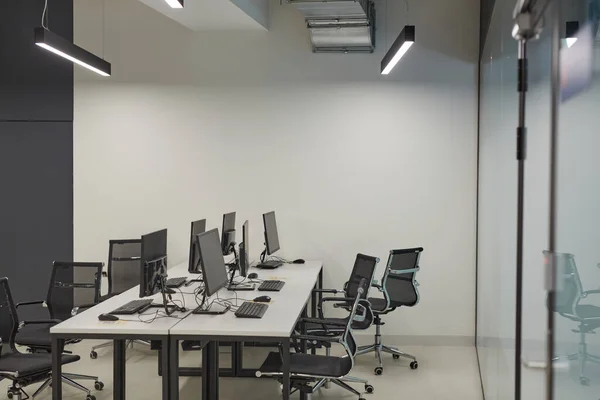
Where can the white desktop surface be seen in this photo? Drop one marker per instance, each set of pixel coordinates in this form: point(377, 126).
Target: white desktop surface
point(87, 322)
point(280, 318)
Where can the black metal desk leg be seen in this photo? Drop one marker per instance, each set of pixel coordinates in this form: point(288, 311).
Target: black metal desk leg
point(286, 370)
point(171, 370)
point(57, 347)
point(237, 358)
point(210, 371)
point(119, 369)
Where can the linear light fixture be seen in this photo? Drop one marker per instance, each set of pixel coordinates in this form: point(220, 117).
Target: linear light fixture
point(398, 49)
point(175, 3)
point(64, 48)
point(571, 32)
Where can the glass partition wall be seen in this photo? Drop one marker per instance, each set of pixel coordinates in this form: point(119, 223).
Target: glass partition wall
point(572, 231)
point(577, 301)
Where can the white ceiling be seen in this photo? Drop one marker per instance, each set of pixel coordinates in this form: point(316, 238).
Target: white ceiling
point(200, 15)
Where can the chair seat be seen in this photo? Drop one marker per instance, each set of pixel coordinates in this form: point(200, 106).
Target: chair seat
point(30, 364)
point(378, 305)
point(308, 364)
point(34, 335)
point(588, 311)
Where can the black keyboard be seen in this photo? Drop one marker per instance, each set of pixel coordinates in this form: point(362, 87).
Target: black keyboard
point(175, 283)
point(269, 264)
point(271, 286)
point(251, 310)
point(132, 307)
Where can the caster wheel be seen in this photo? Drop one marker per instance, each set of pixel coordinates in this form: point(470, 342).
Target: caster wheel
point(379, 371)
point(369, 388)
point(90, 397)
point(584, 381)
point(98, 385)
point(414, 365)
point(93, 355)
point(362, 398)
point(396, 357)
point(9, 395)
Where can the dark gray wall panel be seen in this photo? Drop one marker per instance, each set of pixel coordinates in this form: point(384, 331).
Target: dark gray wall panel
point(35, 85)
point(36, 213)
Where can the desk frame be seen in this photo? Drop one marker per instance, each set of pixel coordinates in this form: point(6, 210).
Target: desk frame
point(119, 358)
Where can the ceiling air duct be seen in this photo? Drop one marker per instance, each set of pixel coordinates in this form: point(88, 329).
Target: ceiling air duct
point(339, 26)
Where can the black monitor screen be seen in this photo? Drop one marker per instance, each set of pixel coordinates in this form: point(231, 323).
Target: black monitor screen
point(228, 232)
point(153, 262)
point(245, 250)
point(213, 266)
point(271, 235)
point(194, 261)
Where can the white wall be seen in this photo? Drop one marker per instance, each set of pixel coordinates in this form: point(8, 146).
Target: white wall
point(192, 125)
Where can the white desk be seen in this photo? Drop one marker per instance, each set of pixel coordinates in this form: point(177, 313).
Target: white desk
point(276, 325)
point(87, 326)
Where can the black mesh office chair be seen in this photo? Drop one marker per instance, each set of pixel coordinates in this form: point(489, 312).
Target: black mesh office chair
point(568, 305)
point(25, 369)
point(123, 274)
point(309, 372)
point(364, 268)
point(74, 287)
point(399, 288)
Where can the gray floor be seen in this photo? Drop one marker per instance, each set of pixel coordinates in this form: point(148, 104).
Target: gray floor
point(444, 373)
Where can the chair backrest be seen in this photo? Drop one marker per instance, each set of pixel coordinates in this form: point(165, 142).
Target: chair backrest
point(570, 287)
point(73, 284)
point(123, 265)
point(364, 268)
point(347, 338)
point(399, 283)
point(8, 318)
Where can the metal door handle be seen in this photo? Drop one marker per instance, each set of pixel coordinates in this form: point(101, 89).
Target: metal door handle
point(543, 364)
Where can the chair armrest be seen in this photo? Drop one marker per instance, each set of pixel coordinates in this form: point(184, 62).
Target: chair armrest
point(82, 307)
point(39, 322)
point(328, 291)
point(30, 303)
point(335, 299)
point(404, 271)
point(315, 339)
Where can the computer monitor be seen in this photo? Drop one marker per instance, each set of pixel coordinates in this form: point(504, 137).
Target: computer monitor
point(228, 233)
point(153, 262)
point(194, 260)
point(271, 235)
point(212, 264)
point(245, 250)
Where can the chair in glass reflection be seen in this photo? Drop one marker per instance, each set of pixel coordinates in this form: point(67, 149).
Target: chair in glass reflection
point(567, 304)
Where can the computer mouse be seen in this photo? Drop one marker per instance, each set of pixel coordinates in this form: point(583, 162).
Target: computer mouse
point(108, 317)
point(262, 299)
point(253, 275)
point(299, 261)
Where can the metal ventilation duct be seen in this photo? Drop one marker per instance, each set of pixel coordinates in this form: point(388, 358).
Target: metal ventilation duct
point(345, 26)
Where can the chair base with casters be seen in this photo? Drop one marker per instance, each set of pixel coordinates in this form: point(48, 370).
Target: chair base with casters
point(582, 355)
point(94, 354)
point(379, 349)
point(16, 392)
point(302, 369)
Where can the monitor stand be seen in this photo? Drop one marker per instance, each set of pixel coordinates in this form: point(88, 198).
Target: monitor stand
point(235, 287)
point(192, 281)
point(212, 309)
point(166, 292)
